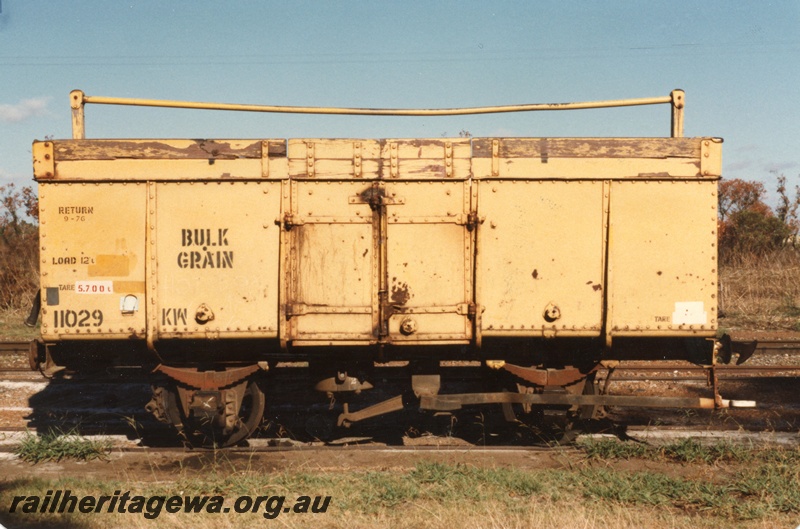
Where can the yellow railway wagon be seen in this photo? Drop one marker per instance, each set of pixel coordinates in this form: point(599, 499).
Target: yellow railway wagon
point(211, 260)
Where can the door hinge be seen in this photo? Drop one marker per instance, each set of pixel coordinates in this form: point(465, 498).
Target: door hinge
point(289, 221)
point(473, 221)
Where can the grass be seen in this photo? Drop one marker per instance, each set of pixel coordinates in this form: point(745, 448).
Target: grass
point(762, 481)
point(683, 451)
point(730, 487)
point(761, 292)
point(56, 445)
point(12, 327)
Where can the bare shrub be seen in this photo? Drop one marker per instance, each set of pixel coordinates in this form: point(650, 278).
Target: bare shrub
point(748, 226)
point(19, 248)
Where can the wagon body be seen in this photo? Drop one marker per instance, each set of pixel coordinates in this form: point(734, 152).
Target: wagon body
point(214, 259)
point(363, 242)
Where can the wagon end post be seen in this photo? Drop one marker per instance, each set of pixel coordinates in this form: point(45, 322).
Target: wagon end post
point(678, 102)
point(76, 102)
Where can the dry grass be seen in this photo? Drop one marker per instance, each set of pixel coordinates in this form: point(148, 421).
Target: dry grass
point(12, 327)
point(761, 292)
point(543, 514)
point(759, 490)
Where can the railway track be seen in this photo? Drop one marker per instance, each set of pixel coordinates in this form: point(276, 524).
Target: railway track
point(10, 437)
point(763, 347)
point(113, 402)
point(14, 365)
point(623, 373)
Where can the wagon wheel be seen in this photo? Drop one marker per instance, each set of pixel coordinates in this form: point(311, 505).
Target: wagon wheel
point(251, 412)
point(568, 429)
point(559, 425)
point(203, 433)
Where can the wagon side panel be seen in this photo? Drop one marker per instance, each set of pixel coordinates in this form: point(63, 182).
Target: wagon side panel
point(92, 260)
point(540, 255)
point(217, 248)
point(662, 258)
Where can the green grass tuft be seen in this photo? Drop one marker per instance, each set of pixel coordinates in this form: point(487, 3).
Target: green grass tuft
point(58, 445)
point(682, 451)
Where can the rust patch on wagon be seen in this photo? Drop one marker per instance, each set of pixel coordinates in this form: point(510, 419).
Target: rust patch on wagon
point(373, 196)
point(595, 287)
point(400, 293)
point(589, 148)
point(437, 169)
point(154, 149)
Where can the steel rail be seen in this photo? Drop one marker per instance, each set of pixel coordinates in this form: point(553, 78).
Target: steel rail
point(777, 345)
point(13, 347)
point(720, 368)
point(633, 369)
point(692, 378)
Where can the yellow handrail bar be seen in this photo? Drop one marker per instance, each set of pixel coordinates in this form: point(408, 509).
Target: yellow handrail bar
point(78, 99)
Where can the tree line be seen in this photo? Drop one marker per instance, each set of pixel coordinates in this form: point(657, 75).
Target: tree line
point(748, 226)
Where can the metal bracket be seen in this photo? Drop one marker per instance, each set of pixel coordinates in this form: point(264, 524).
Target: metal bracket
point(711, 157)
point(448, 158)
point(495, 157)
point(375, 199)
point(547, 377)
point(473, 221)
point(713, 380)
point(477, 324)
point(151, 270)
point(342, 382)
point(426, 385)
point(357, 154)
point(37, 355)
point(290, 221)
point(310, 159)
point(393, 169)
point(301, 309)
point(469, 310)
point(207, 379)
point(44, 163)
point(382, 408)
point(39, 359)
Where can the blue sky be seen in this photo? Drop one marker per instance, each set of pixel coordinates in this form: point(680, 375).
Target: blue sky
point(739, 63)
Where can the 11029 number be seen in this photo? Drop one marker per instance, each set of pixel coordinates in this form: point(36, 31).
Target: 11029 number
point(79, 318)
